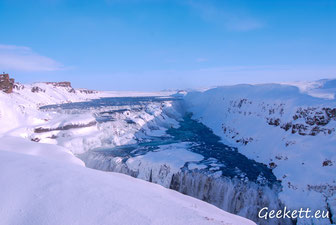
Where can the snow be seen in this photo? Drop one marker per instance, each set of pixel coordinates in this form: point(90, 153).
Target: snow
point(41, 191)
point(60, 120)
point(149, 120)
point(170, 158)
point(44, 183)
point(47, 177)
point(174, 155)
point(48, 151)
point(19, 116)
point(19, 109)
point(243, 112)
point(193, 166)
point(325, 88)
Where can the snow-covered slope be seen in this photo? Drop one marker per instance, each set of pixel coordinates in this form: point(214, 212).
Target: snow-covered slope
point(279, 125)
point(36, 190)
point(48, 151)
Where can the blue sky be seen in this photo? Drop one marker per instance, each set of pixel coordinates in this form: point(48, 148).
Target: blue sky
point(161, 44)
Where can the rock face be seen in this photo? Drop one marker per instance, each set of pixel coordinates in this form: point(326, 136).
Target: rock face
point(87, 91)
point(313, 121)
point(64, 84)
point(60, 84)
point(305, 120)
point(65, 127)
point(37, 89)
point(6, 83)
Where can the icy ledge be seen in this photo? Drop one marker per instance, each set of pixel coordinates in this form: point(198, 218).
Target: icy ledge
point(38, 190)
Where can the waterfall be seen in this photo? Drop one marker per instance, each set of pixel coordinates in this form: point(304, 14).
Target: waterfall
point(101, 162)
point(232, 195)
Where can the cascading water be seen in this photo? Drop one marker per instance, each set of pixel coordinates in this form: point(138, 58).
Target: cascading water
point(176, 152)
point(232, 195)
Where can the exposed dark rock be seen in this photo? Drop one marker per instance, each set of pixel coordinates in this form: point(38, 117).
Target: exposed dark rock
point(245, 141)
point(295, 117)
point(37, 89)
point(87, 91)
point(273, 122)
point(326, 189)
point(6, 83)
point(36, 139)
point(18, 86)
point(288, 143)
point(272, 165)
point(64, 84)
point(331, 113)
point(314, 116)
point(241, 102)
point(327, 162)
point(290, 185)
point(299, 128)
point(66, 127)
point(286, 126)
point(60, 84)
point(314, 120)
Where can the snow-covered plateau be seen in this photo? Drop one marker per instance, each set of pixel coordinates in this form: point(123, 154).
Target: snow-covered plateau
point(240, 148)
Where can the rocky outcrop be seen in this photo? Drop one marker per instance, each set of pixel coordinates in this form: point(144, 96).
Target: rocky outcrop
point(87, 91)
point(316, 116)
point(64, 84)
point(65, 127)
point(60, 84)
point(6, 83)
point(18, 86)
point(309, 121)
point(314, 120)
point(37, 89)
